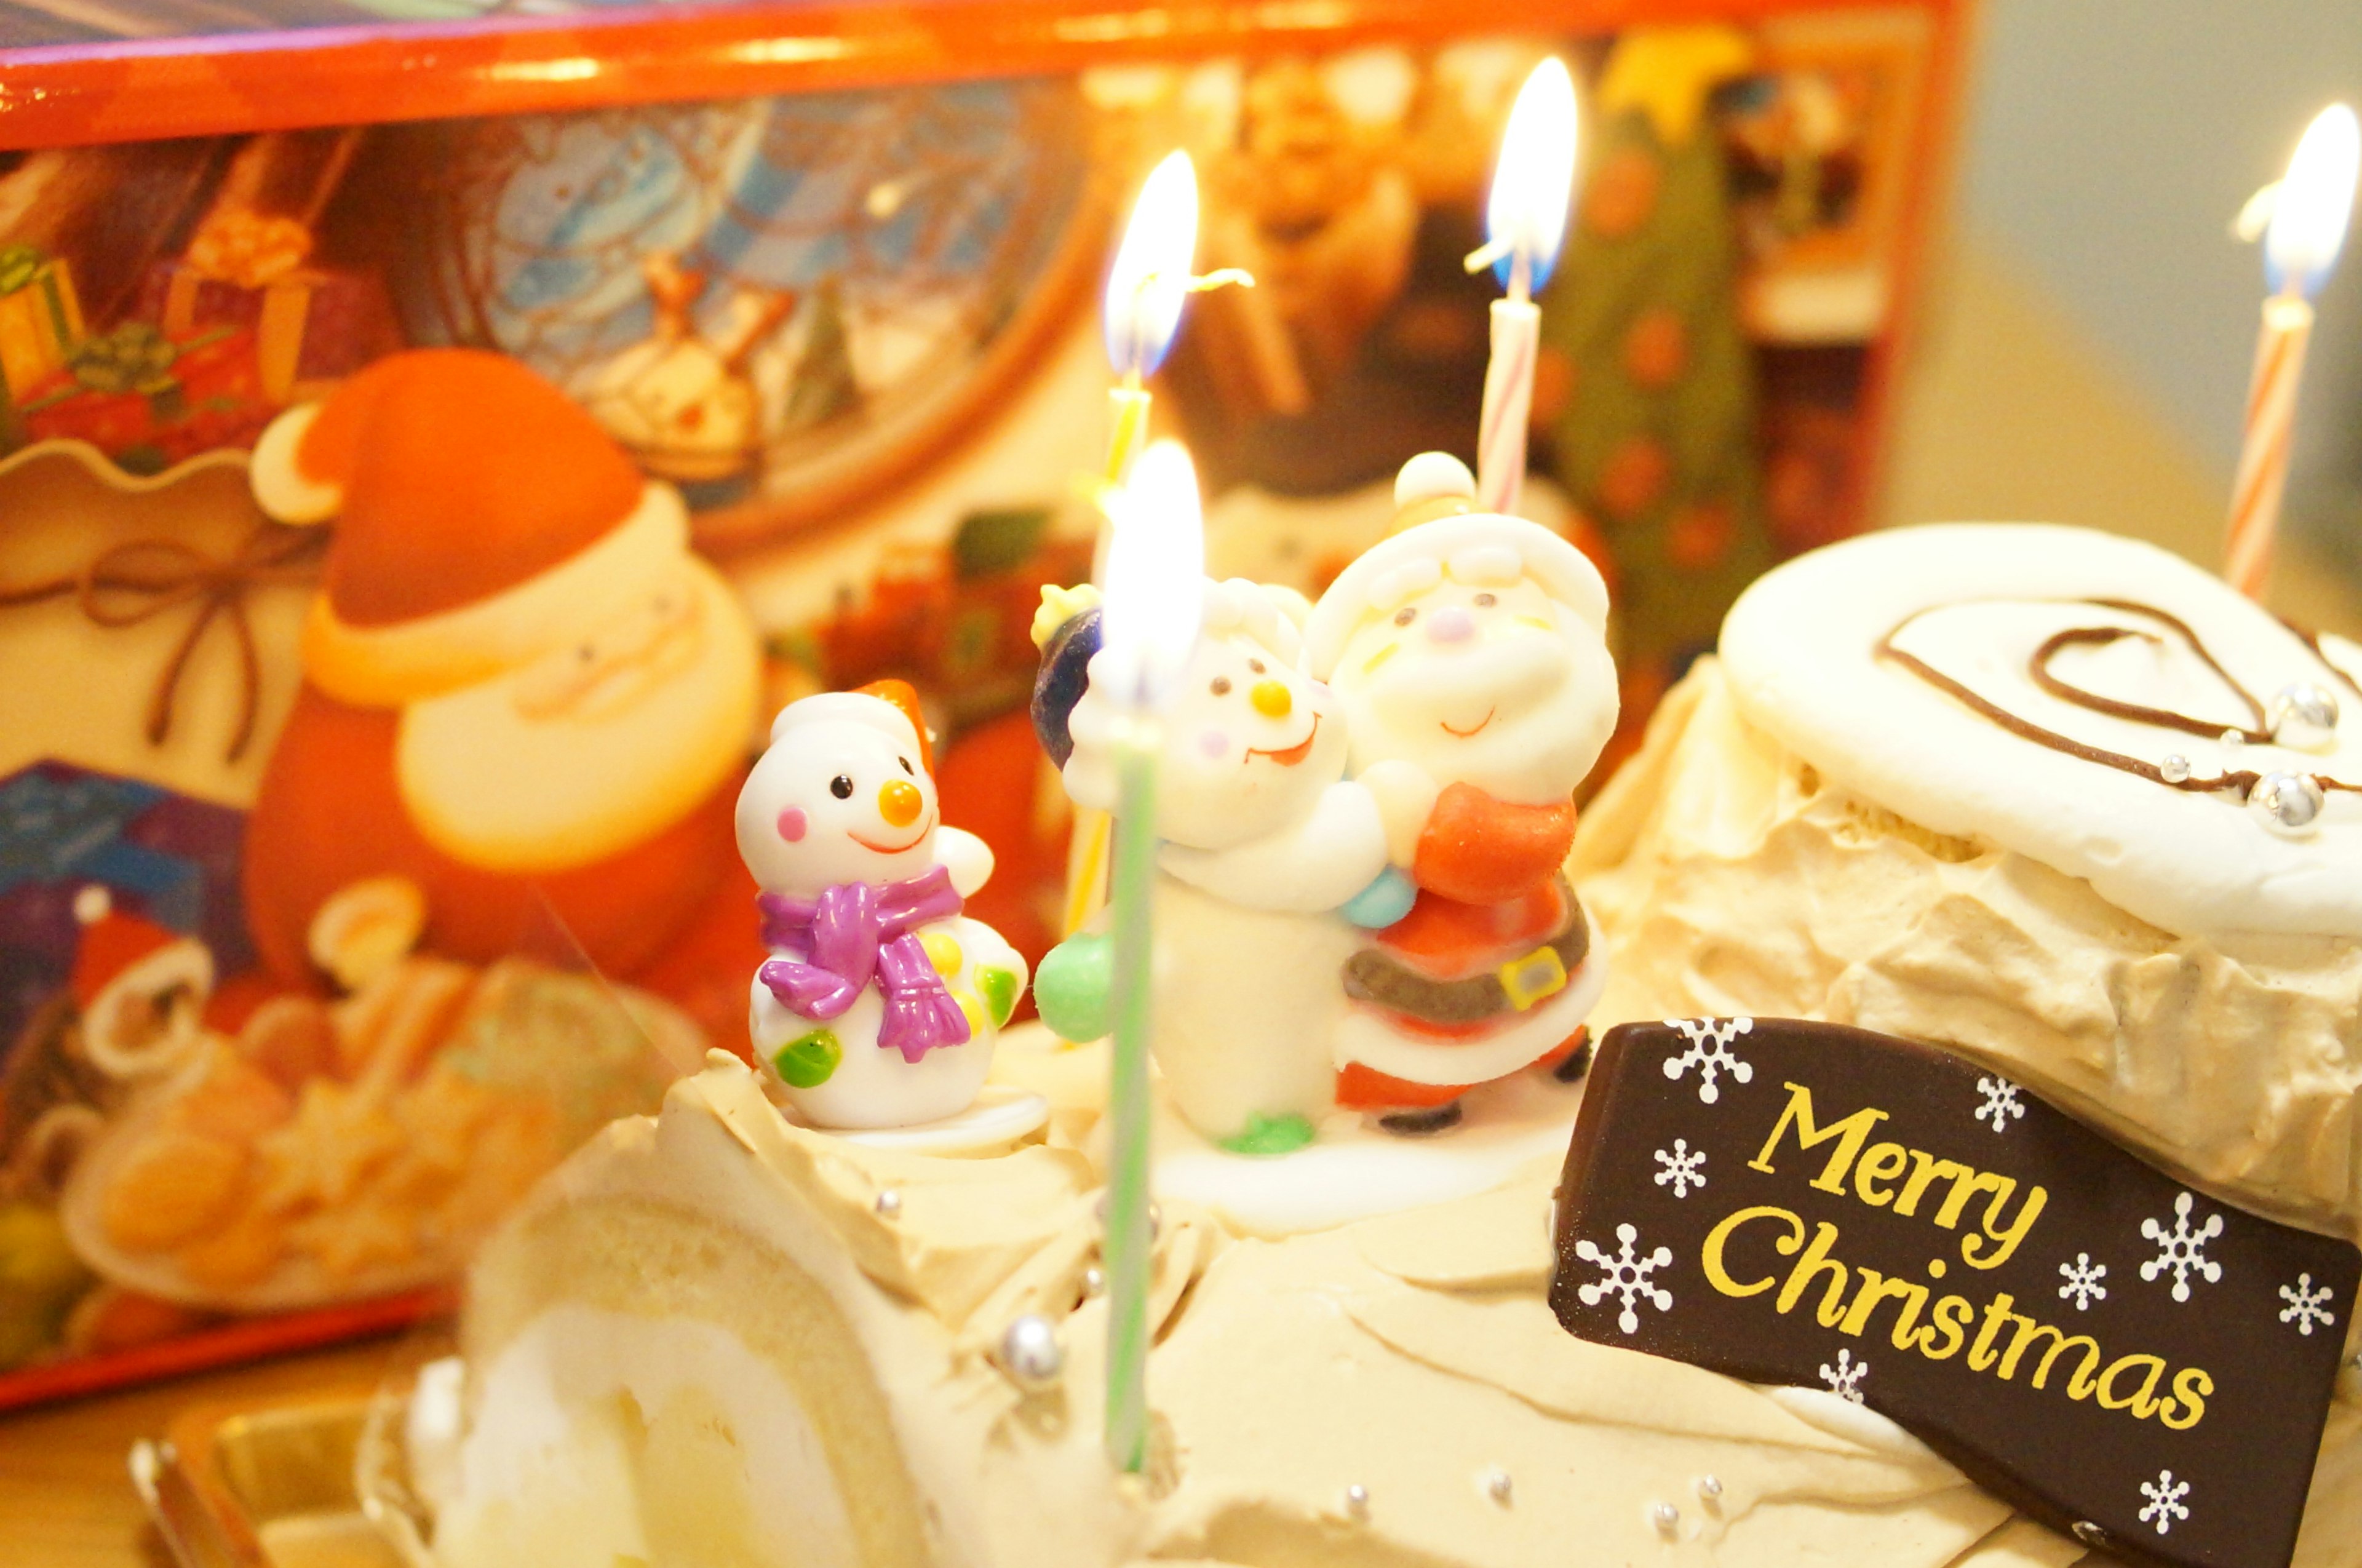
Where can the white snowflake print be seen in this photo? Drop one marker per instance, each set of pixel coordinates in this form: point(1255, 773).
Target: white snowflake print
point(1681, 1171)
point(1710, 1052)
point(2083, 1278)
point(1625, 1274)
point(2181, 1249)
point(2000, 1103)
point(2164, 1506)
point(2304, 1307)
point(1845, 1378)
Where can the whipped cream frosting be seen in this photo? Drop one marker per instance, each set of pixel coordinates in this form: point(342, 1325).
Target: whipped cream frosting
point(1411, 1357)
point(1732, 874)
point(1974, 605)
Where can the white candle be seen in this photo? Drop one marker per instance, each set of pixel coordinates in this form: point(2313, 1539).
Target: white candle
point(1525, 223)
point(2308, 227)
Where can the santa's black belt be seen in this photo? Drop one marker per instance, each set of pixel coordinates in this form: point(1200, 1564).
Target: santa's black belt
point(1374, 974)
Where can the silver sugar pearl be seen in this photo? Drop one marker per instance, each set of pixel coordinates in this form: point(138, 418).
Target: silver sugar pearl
point(2288, 804)
point(1357, 1500)
point(1030, 1353)
point(2232, 740)
point(2174, 768)
point(2302, 715)
point(1499, 1486)
point(1665, 1517)
point(1709, 1485)
point(888, 1204)
point(1094, 1280)
point(2089, 1534)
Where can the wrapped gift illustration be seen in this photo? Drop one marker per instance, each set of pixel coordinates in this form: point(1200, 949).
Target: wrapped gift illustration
point(41, 318)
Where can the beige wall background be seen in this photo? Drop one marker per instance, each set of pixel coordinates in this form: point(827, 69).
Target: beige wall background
point(2089, 322)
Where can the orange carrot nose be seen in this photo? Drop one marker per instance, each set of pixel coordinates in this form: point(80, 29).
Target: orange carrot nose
point(898, 802)
point(1271, 699)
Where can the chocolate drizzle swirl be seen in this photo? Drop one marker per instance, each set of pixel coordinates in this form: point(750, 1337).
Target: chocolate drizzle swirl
point(2237, 783)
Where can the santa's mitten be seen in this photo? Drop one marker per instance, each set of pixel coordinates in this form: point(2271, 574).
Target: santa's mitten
point(1074, 986)
point(1386, 900)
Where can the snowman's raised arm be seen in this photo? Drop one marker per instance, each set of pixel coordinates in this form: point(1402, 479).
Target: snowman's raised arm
point(1314, 863)
point(968, 857)
point(1406, 795)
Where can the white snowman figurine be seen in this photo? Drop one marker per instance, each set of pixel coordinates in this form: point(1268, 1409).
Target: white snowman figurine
point(881, 1002)
point(1264, 842)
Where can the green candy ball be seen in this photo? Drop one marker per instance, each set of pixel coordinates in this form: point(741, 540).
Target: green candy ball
point(1075, 986)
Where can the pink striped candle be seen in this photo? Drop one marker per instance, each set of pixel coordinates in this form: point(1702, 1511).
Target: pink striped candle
point(1525, 222)
point(1508, 404)
point(2308, 227)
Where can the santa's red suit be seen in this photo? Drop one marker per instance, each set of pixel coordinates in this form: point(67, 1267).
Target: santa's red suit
point(1494, 929)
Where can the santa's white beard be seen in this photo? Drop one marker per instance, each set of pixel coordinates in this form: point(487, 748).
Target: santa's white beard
point(523, 773)
point(1552, 706)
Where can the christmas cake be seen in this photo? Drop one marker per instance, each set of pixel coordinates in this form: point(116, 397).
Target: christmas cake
point(1929, 788)
point(2056, 800)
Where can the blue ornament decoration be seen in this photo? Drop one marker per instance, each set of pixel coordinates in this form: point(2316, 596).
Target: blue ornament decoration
point(1059, 685)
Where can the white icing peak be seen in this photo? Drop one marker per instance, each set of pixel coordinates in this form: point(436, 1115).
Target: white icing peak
point(1974, 603)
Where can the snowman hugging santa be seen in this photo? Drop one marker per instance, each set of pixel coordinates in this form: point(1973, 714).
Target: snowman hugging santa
point(520, 684)
point(1471, 647)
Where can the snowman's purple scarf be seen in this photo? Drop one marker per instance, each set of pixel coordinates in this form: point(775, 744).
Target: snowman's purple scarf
point(856, 929)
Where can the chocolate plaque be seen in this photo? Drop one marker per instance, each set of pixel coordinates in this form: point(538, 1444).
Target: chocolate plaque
point(2115, 1353)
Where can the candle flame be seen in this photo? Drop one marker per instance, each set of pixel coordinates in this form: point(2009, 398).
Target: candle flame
point(2316, 200)
point(1151, 275)
point(1155, 572)
point(1525, 217)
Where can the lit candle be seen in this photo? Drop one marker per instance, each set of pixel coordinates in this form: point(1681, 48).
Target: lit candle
point(1139, 315)
point(1155, 563)
point(1525, 222)
point(2308, 227)
point(1145, 289)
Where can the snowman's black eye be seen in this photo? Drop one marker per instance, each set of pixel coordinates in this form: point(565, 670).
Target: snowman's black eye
point(841, 786)
point(1221, 686)
point(907, 768)
point(1405, 616)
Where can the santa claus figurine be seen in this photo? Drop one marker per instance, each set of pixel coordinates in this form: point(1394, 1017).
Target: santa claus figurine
point(518, 682)
point(1473, 647)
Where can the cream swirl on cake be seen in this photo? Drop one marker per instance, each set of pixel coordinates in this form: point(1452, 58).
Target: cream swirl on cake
point(2069, 695)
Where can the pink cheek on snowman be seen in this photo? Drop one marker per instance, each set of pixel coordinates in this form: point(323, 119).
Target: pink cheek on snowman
point(792, 823)
point(1214, 743)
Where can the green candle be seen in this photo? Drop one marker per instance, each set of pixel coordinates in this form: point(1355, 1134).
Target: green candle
point(1156, 598)
point(1128, 1236)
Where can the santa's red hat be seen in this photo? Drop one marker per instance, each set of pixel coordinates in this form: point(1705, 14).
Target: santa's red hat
point(123, 965)
point(481, 519)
